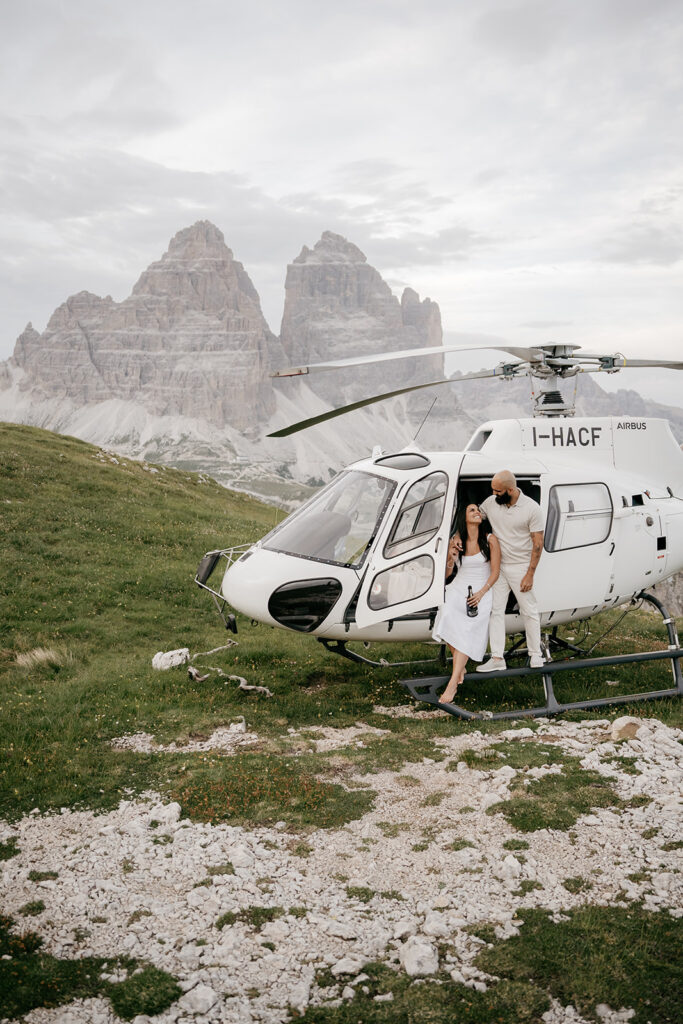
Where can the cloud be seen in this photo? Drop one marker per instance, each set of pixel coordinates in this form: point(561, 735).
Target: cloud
point(544, 325)
point(516, 160)
point(645, 243)
point(521, 32)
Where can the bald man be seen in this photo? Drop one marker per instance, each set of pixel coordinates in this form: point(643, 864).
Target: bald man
point(517, 522)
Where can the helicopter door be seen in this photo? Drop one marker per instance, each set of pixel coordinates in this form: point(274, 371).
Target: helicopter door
point(407, 569)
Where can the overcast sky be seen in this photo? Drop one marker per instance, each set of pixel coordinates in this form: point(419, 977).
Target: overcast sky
point(519, 162)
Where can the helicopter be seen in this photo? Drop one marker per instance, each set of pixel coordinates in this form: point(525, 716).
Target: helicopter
point(364, 559)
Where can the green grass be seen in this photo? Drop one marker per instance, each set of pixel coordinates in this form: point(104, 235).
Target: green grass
point(32, 909)
point(9, 849)
point(622, 957)
point(527, 885)
point(30, 978)
point(515, 844)
point(99, 561)
point(459, 844)
point(360, 893)
point(554, 801)
point(220, 869)
point(254, 916)
point(264, 789)
point(577, 884)
point(416, 1001)
point(517, 754)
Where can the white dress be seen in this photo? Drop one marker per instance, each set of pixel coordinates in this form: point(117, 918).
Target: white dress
point(452, 624)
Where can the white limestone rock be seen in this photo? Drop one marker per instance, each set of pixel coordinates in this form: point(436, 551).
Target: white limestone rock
point(436, 925)
point(510, 868)
point(199, 999)
point(610, 1016)
point(300, 994)
point(241, 857)
point(165, 814)
point(164, 660)
point(342, 929)
point(419, 957)
point(405, 927)
point(347, 965)
point(625, 728)
point(275, 931)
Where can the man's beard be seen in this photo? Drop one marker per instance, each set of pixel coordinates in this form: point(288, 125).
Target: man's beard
point(503, 499)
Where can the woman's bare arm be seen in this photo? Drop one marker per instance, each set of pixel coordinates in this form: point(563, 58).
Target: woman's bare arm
point(494, 549)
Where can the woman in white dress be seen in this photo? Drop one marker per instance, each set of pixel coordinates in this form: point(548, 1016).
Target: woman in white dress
point(479, 567)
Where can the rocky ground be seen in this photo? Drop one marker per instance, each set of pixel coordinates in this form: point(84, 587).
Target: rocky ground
point(392, 886)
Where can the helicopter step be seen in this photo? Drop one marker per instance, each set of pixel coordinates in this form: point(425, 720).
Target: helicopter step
point(426, 690)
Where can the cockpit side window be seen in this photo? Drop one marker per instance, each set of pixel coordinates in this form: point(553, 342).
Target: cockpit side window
point(338, 524)
point(419, 516)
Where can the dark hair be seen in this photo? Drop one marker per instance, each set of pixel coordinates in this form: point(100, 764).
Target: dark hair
point(461, 528)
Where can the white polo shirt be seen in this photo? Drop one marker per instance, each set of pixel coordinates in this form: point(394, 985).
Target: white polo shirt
point(513, 526)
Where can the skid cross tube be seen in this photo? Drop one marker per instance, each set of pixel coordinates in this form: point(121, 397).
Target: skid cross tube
point(426, 690)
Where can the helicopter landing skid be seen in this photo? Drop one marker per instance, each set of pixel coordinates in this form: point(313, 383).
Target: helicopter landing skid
point(339, 647)
point(426, 690)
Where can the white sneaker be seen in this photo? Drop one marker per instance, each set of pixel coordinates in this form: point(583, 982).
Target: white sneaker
point(536, 661)
point(492, 665)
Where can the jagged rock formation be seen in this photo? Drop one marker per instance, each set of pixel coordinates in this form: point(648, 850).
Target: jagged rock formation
point(338, 306)
point(179, 371)
point(191, 340)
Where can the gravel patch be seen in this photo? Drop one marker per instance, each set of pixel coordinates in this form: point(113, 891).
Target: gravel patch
point(335, 739)
point(424, 889)
point(225, 740)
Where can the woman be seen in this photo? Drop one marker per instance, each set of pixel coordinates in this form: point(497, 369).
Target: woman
point(479, 568)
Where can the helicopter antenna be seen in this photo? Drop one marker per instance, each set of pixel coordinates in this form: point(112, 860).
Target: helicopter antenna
point(425, 418)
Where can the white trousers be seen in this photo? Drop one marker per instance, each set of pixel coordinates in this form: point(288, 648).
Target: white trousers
point(510, 579)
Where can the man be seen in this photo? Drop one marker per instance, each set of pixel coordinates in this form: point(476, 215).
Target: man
point(517, 522)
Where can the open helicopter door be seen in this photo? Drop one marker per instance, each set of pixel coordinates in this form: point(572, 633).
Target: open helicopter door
point(406, 571)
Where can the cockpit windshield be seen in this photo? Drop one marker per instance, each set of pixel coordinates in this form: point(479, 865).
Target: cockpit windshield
point(337, 524)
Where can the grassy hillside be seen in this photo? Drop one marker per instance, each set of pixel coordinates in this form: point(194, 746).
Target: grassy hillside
point(99, 555)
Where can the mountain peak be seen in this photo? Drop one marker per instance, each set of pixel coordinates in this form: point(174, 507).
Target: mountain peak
point(202, 233)
point(331, 248)
point(199, 266)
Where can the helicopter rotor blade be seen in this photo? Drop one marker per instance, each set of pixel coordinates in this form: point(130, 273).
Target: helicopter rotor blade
point(526, 354)
point(499, 371)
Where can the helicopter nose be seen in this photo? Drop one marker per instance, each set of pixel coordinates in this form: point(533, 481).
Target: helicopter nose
point(282, 590)
point(247, 584)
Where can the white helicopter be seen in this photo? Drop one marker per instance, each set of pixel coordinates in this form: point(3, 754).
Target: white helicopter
point(364, 559)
